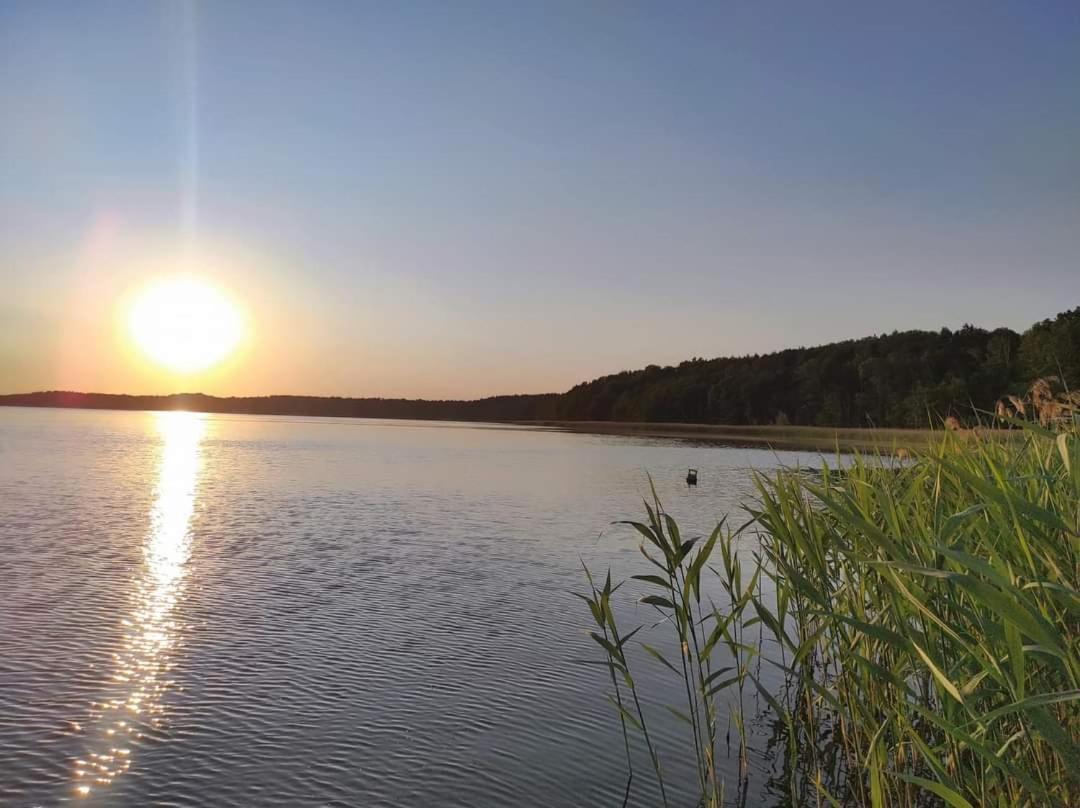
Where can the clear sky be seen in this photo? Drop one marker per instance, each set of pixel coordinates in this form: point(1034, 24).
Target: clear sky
point(455, 199)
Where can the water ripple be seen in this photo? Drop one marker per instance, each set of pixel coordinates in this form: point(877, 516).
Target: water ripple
point(223, 611)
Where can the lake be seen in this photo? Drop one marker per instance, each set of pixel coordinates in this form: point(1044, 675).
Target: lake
point(240, 610)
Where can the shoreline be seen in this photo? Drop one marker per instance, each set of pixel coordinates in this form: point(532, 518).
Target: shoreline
point(844, 439)
point(785, 437)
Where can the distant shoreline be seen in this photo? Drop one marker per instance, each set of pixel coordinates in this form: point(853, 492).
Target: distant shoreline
point(780, 437)
point(907, 382)
point(785, 437)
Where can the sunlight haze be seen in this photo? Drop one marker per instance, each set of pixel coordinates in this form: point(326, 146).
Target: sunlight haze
point(431, 200)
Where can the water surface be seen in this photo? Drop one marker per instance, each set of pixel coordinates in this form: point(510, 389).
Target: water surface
point(239, 610)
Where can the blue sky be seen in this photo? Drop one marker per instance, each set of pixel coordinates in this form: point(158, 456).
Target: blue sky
point(459, 199)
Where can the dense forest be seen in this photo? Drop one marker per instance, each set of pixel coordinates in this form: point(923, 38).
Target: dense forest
point(904, 379)
point(907, 378)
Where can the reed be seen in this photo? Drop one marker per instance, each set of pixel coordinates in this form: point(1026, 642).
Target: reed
point(923, 617)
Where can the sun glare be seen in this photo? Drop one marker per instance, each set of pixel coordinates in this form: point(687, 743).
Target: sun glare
point(185, 324)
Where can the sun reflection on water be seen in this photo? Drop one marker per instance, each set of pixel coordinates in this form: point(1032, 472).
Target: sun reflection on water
point(140, 675)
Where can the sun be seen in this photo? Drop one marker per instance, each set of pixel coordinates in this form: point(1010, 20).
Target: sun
point(185, 324)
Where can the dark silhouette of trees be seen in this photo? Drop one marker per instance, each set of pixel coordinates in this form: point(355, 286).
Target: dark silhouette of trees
point(904, 379)
point(1052, 348)
point(496, 408)
point(908, 378)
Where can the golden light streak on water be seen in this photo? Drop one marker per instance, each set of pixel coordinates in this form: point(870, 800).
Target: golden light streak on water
point(151, 632)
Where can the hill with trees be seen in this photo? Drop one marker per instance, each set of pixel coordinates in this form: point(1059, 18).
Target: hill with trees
point(902, 379)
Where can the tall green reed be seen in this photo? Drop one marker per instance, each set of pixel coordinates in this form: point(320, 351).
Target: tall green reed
point(923, 618)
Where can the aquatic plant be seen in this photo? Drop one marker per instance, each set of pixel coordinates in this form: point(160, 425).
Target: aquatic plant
point(922, 616)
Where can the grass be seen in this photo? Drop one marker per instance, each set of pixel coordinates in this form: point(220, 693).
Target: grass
point(923, 618)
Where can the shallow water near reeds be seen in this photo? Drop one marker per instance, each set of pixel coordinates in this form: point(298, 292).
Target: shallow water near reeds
point(240, 610)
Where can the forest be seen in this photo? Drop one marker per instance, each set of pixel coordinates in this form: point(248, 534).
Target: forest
point(902, 379)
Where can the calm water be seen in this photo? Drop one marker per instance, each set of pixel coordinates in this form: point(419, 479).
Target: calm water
point(232, 610)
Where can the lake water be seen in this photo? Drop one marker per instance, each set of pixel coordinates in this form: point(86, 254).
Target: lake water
point(232, 610)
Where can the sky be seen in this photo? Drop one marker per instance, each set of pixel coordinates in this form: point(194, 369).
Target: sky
point(449, 200)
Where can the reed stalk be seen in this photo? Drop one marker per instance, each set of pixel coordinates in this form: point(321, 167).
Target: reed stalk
point(923, 616)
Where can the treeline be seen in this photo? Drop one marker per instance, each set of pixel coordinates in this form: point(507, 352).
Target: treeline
point(903, 379)
point(496, 408)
